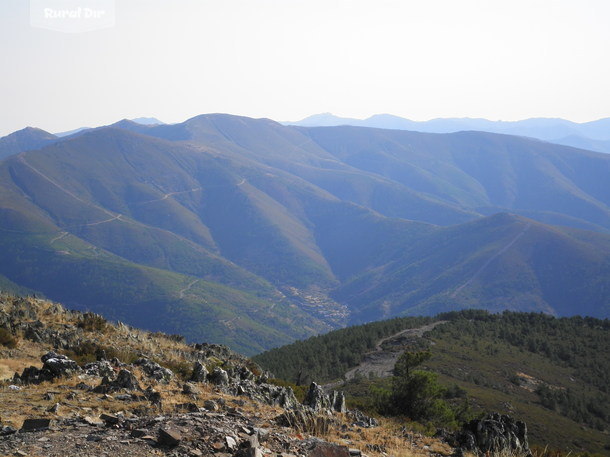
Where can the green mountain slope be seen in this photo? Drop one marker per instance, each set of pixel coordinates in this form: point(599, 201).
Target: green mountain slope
point(482, 171)
point(499, 262)
point(89, 278)
point(325, 225)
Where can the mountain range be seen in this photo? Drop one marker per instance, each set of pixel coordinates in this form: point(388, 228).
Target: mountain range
point(253, 233)
point(594, 136)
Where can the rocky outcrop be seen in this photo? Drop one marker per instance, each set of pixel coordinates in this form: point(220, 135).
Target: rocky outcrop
point(318, 400)
point(200, 372)
point(493, 434)
point(100, 369)
point(125, 380)
point(219, 377)
point(153, 370)
point(337, 400)
point(305, 420)
point(265, 393)
point(54, 366)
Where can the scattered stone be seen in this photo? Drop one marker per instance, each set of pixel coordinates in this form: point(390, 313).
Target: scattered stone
point(93, 422)
point(231, 443)
point(110, 419)
point(250, 452)
point(6, 430)
point(54, 409)
point(83, 386)
point(189, 407)
point(139, 433)
point(35, 425)
point(125, 397)
point(153, 396)
point(359, 419)
point(210, 405)
point(169, 437)
point(190, 389)
point(328, 450)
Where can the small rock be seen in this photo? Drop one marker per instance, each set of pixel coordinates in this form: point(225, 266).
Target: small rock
point(35, 425)
point(169, 437)
point(6, 430)
point(329, 450)
point(124, 397)
point(250, 452)
point(189, 389)
point(139, 433)
point(109, 419)
point(190, 407)
point(210, 405)
point(93, 422)
point(54, 409)
point(231, 443)
point(83, 386)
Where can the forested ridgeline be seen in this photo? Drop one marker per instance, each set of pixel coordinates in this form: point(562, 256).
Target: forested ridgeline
point(581, 343)
point(327, 357)
point(576, 345)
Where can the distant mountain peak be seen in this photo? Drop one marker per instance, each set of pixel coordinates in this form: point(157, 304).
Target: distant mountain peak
point(24, 140)
point(593, 135)
point(147, 121)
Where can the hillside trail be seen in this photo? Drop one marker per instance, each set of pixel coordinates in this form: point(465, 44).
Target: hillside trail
point(380, 361)
point(188, 287)
point(491, 259)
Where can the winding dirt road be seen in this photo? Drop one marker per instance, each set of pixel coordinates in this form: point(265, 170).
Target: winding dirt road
point(381, 361)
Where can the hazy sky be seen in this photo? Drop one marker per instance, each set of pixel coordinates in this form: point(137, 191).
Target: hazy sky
point(287, 59)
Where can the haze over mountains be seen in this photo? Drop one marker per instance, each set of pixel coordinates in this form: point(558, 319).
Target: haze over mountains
point(252, 233)
point(594, 136)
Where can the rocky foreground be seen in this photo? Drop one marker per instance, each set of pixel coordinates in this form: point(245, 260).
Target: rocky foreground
point(77, 385)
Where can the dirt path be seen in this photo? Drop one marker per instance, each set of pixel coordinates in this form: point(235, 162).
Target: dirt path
point(183, 291)
point(491, 259)
point(381, 361)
